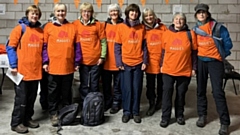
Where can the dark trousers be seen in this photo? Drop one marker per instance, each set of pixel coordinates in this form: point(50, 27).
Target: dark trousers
point(150, 80)
point(89, 80)
point(44, 90)
point(111, 98)
point(216, 71)
point(131, 85)
point(59, 90)
point(182, 83)
point(25, 96)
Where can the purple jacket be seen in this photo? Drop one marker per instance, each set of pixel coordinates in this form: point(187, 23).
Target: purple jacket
point(77, 49)
point(118, 47)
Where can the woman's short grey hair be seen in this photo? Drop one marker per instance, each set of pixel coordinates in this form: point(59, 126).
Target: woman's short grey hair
point(182, 15)
point(115, 7)
point(146, 11)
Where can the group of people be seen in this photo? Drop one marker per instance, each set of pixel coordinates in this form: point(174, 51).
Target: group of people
point(118, 50)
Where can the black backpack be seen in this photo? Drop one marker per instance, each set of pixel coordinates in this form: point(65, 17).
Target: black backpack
point(67, 115)
point(93, 109)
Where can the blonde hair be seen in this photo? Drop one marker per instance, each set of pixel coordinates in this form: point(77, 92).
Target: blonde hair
point(147, 11)
point(115, 7)
point(33, 8)
point(182, 15)
point(58, 5)
point(85, 6)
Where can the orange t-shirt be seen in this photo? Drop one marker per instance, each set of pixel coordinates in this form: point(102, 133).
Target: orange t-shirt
point(154, 46)
point(131, 39)
point(206, 45)
point(60, 41)
point(90, 36)
point(2, 49)
point(29, 51)
point(110, 62)
point(177, 59)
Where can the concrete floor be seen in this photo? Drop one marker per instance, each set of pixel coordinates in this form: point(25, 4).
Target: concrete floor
point(114, 125)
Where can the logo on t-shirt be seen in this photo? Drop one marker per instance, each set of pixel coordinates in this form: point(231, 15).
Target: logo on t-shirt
point(85, 36)
point(111, 36)
point(176, 45)
point(34, 41)
point(63, 34)
point(155, 39)
point(202, 41)
point(63, 37)
point(133, 35)
point(133, 38)
point(34, 38)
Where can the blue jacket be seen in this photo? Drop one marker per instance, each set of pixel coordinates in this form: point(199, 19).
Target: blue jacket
point(224, 45)
point(11, 51)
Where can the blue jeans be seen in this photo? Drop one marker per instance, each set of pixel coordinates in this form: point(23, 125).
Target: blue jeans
point(131, 85)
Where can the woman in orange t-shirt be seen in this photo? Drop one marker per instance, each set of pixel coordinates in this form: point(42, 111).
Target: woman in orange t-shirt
point(154, 31)
point(131, 58)
point(211, 53)
point(110, 71)
point(61, 58)
point(94, 45)
point(179, 64)
point(24, 53)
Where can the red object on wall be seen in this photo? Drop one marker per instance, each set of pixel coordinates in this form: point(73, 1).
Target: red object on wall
point(99, 3)
point(120, 2)
point(76, 2)
point(36, 2)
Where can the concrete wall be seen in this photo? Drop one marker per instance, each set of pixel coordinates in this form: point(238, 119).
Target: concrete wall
point(226, 11)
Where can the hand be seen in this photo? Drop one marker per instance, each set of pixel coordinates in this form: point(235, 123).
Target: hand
point(193, 73)
point(45, 67)
point(76, 68)
point(121, 67)
point(100, 61)
point(144, 66)
point(14, 71)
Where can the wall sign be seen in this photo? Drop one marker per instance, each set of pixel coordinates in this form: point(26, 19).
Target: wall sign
point(2, 9)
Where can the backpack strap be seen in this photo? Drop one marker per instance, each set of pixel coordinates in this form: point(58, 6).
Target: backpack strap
point(190, 38)
point(203, 33)
point(216, 30)
point(22, 32)
point(23, 28)
point(105, 25)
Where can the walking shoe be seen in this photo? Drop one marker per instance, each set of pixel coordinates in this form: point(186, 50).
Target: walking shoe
point(202, 120)
point(114, 110)
point(20, 129)
point(32, 124)
point(54, 120)
point(137, 119)
point(223, 130)
point(181, 121)
point(125, 118)
point(164, 123)
point(151, 109)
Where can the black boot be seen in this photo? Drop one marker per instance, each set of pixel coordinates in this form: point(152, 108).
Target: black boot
point(151, 109)
point(223, 130)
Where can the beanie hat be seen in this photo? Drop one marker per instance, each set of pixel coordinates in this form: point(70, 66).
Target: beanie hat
point(201, 6)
